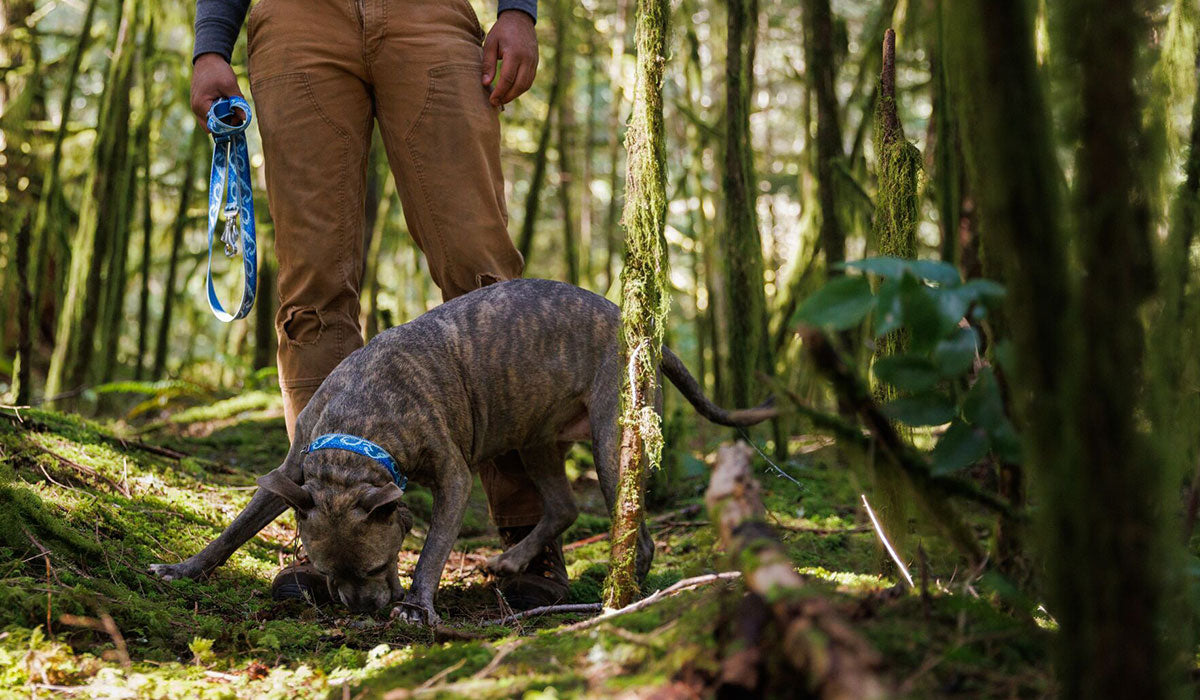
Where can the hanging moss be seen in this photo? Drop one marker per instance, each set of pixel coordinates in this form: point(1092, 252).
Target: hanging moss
point(645, 297)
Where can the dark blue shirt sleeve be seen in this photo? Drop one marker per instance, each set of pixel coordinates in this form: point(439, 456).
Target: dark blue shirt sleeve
point(218, 23)
point(529, 7)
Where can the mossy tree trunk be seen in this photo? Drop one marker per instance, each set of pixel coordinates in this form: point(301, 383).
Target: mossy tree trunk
point(566, 146)
point(818, 44)
point(1078, 355)
point(897, 203)
point(144, 136)
point(740, 244)
point(1110, 566)
point(99, 218)
point(645, 298)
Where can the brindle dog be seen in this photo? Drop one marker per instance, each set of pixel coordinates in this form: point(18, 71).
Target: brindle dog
point(520, 365)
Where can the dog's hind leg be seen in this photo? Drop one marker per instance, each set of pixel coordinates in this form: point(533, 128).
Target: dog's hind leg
point(606, 449)
point(544, 465)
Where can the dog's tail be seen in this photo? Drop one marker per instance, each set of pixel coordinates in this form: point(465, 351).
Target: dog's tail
point(683, 380)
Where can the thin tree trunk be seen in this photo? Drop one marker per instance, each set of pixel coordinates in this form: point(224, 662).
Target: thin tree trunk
point(23, 366)
point(645, 299)
point(186, 188)
point(143, 329)
point(566, 144)
point(741, 245)
point(533, 198)
point(819, 45)
point(589, 149)
point(616, 82)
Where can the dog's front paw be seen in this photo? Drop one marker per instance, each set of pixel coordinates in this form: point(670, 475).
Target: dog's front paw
point(170, 572)
point(416, 612)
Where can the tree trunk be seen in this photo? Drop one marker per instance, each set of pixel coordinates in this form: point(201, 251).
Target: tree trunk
point(187, 185)
point(741, 246)
point(645, 299)
point(538, 178)
point(819, 49)
point(143, 329)
point(99, 218)
point(897, 204)
point(566, 145)
point(616, 82)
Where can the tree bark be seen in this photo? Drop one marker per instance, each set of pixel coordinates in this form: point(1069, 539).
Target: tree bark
point(819, 49)
point(645, 299)
point(741, 245)
point(566, 146)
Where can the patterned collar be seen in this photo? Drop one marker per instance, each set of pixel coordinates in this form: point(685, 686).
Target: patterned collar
point(363, 446)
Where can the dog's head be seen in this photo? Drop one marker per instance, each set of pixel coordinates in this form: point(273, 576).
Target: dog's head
point(352, 537)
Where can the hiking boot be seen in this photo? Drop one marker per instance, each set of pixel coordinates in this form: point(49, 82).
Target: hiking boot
point(301, 581)
point(543, 582)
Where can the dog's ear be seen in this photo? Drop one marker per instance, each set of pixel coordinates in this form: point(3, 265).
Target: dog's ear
point(282, 485)
point(380, 502)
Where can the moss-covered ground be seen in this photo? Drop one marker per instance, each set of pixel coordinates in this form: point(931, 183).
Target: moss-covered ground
point(86, 507)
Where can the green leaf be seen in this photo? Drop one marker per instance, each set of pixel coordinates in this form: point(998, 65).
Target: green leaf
point(889, 315)
point(841, 304)
point(883, 265)
point(951, 308)
point(984, 407)
point(960, 447)
point(921, 410)
point(1004, 354)
point(907, 372)
point(936, 271)
point(986, 292)
point(955, 355)
point(921, 315)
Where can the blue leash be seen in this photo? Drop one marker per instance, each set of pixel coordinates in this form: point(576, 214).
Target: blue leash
point(229, 185)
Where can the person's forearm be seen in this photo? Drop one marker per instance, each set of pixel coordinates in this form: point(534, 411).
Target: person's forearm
point(218, 23)
point(529, 7)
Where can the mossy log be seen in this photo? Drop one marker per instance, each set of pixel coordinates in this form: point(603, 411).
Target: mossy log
point(834, 660)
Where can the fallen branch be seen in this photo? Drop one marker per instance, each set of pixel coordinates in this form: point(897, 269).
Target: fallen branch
point(815, 640)
point(548, 610)
point(679, 587)
point(83, 469)
point(106, 625)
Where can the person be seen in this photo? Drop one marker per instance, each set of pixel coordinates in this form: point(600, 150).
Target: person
point(321, 73)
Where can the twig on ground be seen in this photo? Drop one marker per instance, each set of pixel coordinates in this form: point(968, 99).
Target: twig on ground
point(548, 610)
point(887, 544)
point(685, 584)
point(503, 651)
point(81, 468)
point(16, 411)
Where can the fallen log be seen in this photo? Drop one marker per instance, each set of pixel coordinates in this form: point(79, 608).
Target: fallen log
point(833, 659)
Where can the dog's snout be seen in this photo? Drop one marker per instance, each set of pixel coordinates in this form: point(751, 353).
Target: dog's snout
point(362, 600)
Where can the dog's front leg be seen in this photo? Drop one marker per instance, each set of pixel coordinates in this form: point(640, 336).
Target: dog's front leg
point(263, 508)
point(450, 495)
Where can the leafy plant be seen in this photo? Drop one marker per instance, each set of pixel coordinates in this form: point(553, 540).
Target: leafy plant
point(941, 316)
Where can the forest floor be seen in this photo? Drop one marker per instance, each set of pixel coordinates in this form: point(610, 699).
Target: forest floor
point(86, 507)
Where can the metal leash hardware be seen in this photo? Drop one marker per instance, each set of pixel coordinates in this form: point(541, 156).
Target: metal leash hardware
point(231, 197)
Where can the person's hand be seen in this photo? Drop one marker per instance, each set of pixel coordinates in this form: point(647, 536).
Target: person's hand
point(514, 42)
point(212, 79)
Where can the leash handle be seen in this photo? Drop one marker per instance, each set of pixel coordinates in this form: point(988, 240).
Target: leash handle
point(230, 193)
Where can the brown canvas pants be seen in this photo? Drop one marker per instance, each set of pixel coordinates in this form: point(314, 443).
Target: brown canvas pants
point(321, 72)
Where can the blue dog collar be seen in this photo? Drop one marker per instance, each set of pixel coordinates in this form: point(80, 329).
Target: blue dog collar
point(364, 447)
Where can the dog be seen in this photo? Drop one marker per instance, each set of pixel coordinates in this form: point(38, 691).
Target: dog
point(519, 365)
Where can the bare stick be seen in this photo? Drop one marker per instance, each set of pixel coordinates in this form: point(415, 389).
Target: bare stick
point(884, 539)
point(548, 610)
point(685, 584)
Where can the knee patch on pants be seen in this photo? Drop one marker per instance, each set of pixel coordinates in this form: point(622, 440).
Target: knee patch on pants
point(302, 325)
